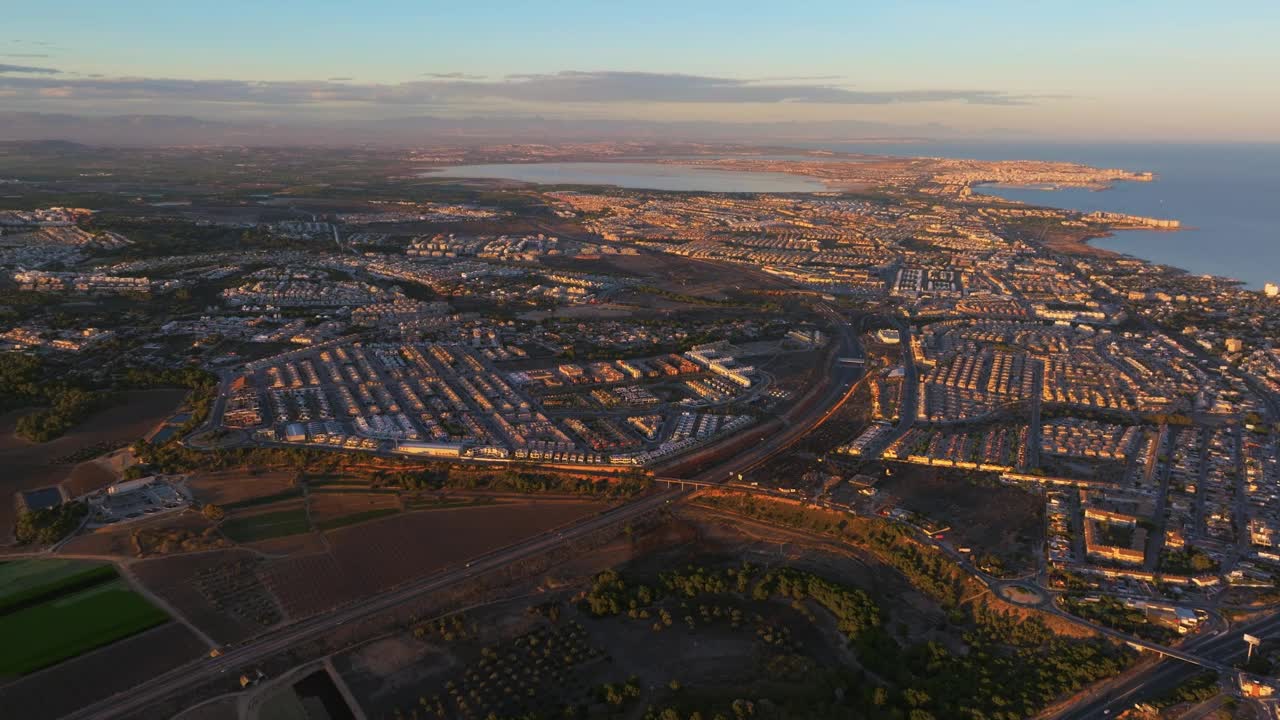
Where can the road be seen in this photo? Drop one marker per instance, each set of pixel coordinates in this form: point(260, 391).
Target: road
point(1215, 651)
point(1156, 539)
point(843, 383)
point(1034, 428)
point(908, 409)
point(192, 674)
point(1223, 648)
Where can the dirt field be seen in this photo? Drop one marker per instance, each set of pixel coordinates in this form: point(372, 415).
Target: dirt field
point(378, 554)
point(186, 531)
point(998, 519)
point(225, 487)
point(99, 674)
point(28, 465)
point(87, 477)
point(219, 591)
point(331, 509)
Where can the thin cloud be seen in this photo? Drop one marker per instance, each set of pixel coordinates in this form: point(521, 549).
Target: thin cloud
point(340, 79)
point(452, 76)
point(27, 69)
point(582, 87)
point(609, 86)
point(799, 78)
point(25, 55)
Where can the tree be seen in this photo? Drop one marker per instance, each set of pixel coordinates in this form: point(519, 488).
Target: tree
point(880, 697)
point(49, 525)
point(213, 513)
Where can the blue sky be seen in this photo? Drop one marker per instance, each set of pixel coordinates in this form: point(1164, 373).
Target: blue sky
point(1173, 69)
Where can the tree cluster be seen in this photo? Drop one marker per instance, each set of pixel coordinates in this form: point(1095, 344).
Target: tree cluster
point(49, 525)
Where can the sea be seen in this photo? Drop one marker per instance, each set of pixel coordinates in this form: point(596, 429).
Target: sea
point(1227, 197)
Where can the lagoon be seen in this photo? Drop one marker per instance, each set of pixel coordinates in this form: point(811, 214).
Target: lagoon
point(636, 175)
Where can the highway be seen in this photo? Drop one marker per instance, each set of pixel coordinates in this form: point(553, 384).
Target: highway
point(191, 675)
point(1221, 648)
point(844, 382)
point(1214, 651)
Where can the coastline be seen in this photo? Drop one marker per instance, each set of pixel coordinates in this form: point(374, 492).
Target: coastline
point(1136, 202)
point(1089, 246)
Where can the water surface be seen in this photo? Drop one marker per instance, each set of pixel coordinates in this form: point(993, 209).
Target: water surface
point(1227, 196)
point(637, 175)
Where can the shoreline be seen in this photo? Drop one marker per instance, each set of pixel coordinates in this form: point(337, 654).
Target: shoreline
point(828, 179)
point(1088, 245)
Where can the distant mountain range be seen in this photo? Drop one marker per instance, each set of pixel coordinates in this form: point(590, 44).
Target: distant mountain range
point(187, 130)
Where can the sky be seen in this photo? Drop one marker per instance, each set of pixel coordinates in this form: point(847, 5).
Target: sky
point(1135, 69)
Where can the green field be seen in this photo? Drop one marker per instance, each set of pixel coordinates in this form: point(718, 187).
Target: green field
point(26, 581)
point(64, 627)
point(267, 525)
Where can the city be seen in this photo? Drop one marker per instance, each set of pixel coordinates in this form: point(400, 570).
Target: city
point(534, 392)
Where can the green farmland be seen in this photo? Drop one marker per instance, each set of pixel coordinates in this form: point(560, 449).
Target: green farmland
point(265, 526)
point(27, 582)
point(57, 610)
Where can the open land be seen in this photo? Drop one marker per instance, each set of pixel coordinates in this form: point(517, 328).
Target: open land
point(393, 550)
point(33, 465)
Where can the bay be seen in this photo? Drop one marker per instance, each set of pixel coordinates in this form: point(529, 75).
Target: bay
point(1227, 197)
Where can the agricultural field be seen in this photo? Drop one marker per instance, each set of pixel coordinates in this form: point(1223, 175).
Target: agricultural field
point(75, 683)
point(265, 523)
point(167, 534)
point(385, 552)
point(333, 507)
point(240, 488)
point(55, 613)
point(24, 583)
point(219, 592)
point(32, 465)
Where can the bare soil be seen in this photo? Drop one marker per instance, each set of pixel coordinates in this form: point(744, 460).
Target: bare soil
point(214, 590)
point(999, 519)
point(373, 556)
point(229, 486)
point(330, 506)
point(115, 668)
point(28, 465)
